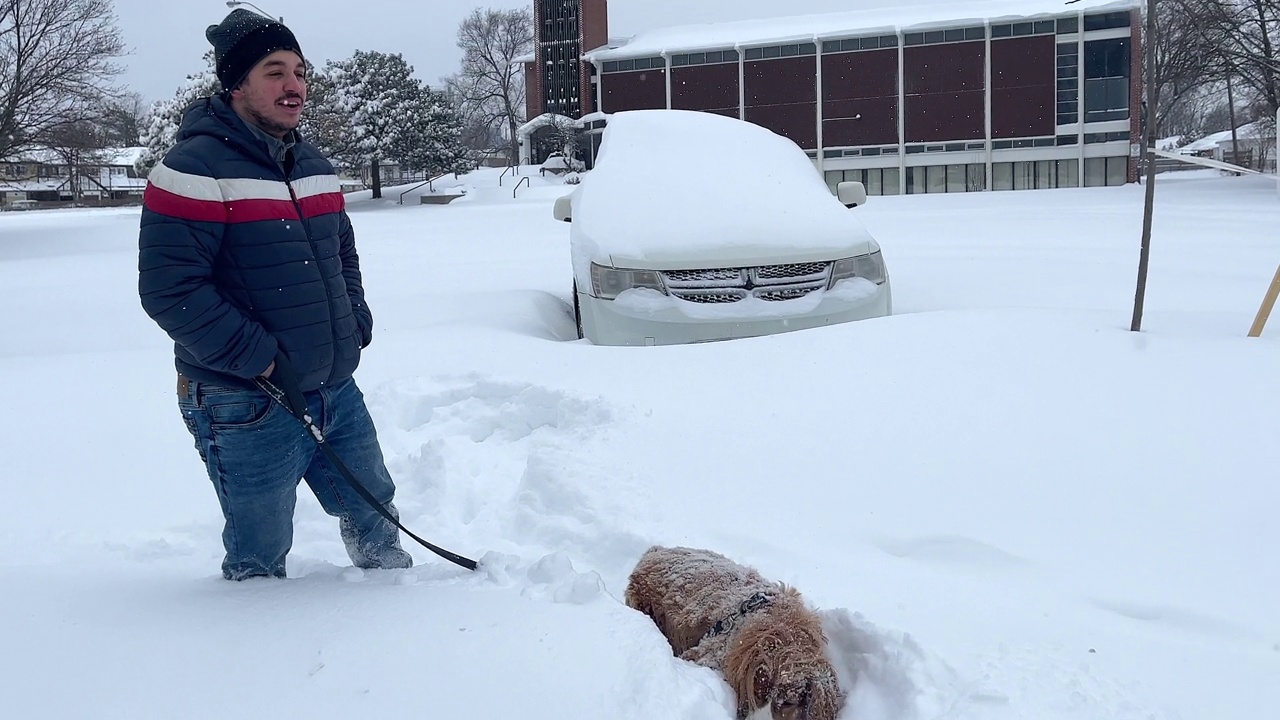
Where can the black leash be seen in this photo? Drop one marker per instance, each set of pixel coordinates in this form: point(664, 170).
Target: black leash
point(290, 398)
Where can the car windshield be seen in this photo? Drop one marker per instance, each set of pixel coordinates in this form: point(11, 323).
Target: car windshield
point(673, 180)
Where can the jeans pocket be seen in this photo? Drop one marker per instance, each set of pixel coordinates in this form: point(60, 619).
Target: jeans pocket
point(189, 419)
point(236, 409)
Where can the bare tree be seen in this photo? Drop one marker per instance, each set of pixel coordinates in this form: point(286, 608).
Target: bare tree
point(123, 118)
point(490, 86)
point(56, 60)
point(79, 145)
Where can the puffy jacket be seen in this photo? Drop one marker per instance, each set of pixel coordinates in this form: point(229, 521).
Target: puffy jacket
point(240, 258)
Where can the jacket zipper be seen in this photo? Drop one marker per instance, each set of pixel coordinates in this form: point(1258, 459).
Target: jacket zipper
point(315, 258)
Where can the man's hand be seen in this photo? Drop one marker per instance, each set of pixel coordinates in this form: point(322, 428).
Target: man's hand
point(270, 369)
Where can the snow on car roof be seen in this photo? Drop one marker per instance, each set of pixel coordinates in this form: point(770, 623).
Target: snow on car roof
point(671, 182)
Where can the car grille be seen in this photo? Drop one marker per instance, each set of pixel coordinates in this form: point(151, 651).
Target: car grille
point(773, 283)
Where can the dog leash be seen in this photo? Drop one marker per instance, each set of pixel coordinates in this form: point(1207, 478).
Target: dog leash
point(746, 607)
point(291, 399)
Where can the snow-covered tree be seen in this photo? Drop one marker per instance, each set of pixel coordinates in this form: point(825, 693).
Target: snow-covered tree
point(160, 131)
point(431, 141)
point(380, 98)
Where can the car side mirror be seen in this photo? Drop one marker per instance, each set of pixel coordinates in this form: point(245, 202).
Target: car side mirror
point(852, 193)
point(563, 209)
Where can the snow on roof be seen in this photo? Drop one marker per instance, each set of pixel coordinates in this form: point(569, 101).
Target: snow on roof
point(918, 16)
point(738, 190)
point(544, 120)
point(1252, 130)
point(115, 157)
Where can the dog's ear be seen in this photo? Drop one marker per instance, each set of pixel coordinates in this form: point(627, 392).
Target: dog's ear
point(762, 685)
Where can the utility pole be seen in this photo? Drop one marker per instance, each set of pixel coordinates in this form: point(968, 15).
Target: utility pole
point(1149, 71)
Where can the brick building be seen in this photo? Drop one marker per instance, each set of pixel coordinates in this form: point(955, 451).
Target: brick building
point(905, 100)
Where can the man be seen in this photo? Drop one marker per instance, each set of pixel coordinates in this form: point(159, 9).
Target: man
point(247, 259)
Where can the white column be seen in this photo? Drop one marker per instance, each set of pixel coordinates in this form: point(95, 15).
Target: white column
point(817, 94)
point(902, 114)
point(987, 28)
point(666, 73)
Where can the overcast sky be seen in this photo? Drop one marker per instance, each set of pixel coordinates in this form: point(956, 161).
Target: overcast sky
point(166, 38)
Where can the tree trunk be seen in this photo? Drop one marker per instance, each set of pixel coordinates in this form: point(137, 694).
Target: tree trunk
point(375, 176)
point(1231, 110)
point(1144, 256)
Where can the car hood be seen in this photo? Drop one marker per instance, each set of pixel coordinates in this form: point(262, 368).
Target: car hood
point(674, 187)
point(736, 256)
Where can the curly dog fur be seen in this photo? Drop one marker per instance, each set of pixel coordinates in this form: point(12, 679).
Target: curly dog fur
point(759, 635)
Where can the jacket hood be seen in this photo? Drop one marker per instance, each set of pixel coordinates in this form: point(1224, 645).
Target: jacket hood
point(214, 117)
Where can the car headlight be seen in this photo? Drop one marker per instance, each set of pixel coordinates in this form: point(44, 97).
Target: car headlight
point(869, 266)
point(608, 283)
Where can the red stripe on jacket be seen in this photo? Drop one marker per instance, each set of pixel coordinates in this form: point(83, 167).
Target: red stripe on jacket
point(322, 204)
point(164, 202)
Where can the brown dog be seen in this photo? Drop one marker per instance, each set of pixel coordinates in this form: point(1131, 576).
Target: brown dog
point(759, 635)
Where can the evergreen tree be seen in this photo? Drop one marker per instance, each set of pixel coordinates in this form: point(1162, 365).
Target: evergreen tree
point(160, 130)
point(380, 97)
point(431, 141)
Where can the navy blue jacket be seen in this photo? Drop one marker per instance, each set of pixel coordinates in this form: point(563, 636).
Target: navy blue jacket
point(241, 258)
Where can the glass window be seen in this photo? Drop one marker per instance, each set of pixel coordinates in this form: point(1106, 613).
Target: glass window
point(888, 41)
point(1068, 25)
point(975, 33)
point(713, 57)
point(1024, 28)
point(755, 53)
point(913, 39)
point(1044, 26)
point(870, 43)
point(833, 178)
point(936, 178)
point(1106, 58)
point(1002, 176)
point(1107, 21)
point(697, 58)
point(957, 181)
point(1068, 173)
point(953, 35)
point(915, 181)
point(1117, 170)
point(874, 182)
point(891, 180)
point(1046, 170)
point(1095, 172)
point(935, 36)
point(977, 177)
point(773, 52)
point(831, 46)
point(790, 50)
point(1024, 176)
point(998, 31)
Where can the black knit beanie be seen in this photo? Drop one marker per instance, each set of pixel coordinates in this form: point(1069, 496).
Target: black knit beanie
point(241, 40)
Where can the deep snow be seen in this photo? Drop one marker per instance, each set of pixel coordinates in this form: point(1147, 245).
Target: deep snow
point(1006, 504)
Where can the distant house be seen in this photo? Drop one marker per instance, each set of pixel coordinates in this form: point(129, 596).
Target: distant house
point(104, 177)
point(1256, 142)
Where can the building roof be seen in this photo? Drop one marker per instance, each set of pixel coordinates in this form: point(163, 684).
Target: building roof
point(921, 15)
point(113, 157)
point(1253, 130)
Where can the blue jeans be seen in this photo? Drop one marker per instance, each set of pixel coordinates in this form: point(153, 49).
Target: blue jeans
point(256, 452)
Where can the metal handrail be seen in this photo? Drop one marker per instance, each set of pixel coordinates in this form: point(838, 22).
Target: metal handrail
point(510, 168)
point(427, 183)
point(523, 181)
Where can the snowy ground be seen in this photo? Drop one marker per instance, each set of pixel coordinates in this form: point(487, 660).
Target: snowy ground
point(1007, 505)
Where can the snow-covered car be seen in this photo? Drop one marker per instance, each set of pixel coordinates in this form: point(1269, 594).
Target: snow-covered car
point(695, 227)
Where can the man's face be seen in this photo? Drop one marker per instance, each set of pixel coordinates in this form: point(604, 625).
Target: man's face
point(273, 93)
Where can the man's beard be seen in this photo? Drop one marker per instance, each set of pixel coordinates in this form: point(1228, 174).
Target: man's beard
point(267, 125)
